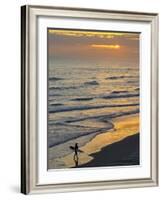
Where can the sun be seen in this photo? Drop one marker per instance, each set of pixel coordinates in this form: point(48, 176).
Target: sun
point(106, 46)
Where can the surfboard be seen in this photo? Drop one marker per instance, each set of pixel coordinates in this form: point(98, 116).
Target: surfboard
point(73, 148)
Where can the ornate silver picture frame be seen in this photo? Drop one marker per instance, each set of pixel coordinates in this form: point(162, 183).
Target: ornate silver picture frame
point(52, 39)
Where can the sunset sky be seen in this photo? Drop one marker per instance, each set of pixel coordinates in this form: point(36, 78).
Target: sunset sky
point(92, 47)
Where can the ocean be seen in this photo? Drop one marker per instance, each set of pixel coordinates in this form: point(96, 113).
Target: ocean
point(83, 100)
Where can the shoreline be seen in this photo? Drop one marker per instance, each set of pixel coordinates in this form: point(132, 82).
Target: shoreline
point(125, 126)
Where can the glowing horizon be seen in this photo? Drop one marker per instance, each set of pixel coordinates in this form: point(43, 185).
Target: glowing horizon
point(106, 46)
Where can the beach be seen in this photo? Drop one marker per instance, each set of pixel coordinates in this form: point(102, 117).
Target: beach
point(118, 146)
point(122, 153)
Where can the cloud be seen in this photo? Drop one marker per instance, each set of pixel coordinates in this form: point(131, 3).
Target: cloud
point(82, 33)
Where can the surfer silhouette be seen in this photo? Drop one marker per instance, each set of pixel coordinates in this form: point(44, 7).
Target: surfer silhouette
point(76, 151)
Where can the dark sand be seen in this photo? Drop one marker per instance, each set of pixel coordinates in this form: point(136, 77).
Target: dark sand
point(122, 153)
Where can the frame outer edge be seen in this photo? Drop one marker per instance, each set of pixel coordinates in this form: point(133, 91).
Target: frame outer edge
point(28, 167)
point(155, 101)
point(145, 15)
point(24, 100)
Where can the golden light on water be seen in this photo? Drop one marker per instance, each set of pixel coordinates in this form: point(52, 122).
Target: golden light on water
point(105, 46)
point(124, 127)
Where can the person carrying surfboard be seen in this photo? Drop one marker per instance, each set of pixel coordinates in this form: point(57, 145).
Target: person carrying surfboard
point(76, 151)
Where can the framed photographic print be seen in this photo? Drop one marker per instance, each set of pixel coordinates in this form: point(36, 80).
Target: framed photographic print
point(89, 99)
